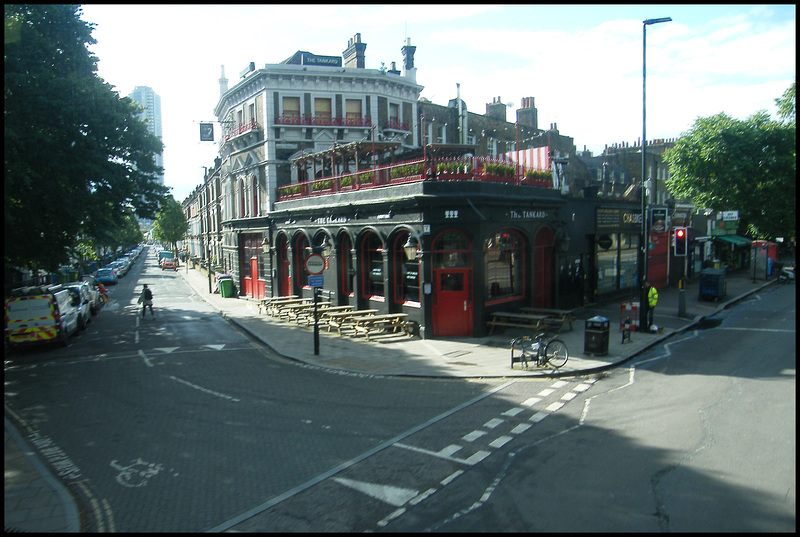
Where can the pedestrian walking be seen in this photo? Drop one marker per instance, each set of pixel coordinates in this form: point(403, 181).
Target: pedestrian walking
point(652, 300)
point(146, 299)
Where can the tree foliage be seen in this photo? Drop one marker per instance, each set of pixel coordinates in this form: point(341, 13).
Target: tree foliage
point(77, 156)
point(170, 225)
point(727, 164)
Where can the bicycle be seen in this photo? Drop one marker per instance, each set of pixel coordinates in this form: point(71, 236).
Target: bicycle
point(553, 351)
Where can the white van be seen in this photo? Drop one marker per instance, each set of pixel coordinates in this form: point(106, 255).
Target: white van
point(40, 315)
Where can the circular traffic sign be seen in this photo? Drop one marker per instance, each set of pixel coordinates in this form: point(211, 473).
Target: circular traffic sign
point(315, 264)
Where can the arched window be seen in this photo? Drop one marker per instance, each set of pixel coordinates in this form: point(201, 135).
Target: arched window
point(242, 205)
point(301, 251)
point(254, 195)
point(406, 273)
point(504, 255)
point(372, 266)
point(452, 249)
point(346, 271)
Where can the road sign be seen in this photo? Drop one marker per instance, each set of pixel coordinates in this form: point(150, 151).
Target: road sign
point(315, 264)
point(316, 281)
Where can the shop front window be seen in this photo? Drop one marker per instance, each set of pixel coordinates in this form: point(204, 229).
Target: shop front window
point(372, 267)
point(406, 273)
point(616, 264)
point(505, 262)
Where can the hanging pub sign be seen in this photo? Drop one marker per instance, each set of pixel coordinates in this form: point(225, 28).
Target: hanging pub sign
point(206, 132)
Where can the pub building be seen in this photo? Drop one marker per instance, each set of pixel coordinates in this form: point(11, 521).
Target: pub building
point(429, 210)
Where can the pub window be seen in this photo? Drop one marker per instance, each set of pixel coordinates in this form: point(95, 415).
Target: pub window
point(406, 273)
point(291, 107)
point(353, 110)
point(322, 108)
point(394, 112)
point(301, 251)
point(346, 270)
point(505, 263)
point(372, 267)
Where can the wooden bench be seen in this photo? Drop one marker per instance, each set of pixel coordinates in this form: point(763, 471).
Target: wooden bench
point(296, 311)
point(516, 320)
point(373, 323)
point(322, 314)
point(265, 303)
point(279, 309)
point(554, 317)
point(339, 319)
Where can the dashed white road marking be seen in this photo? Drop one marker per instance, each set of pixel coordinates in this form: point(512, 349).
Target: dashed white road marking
point(546, 392)
point(582, 387)
point(569, 396)
point(492, 423)
point(532, 401)
point(539, 416)
point(474, 435)
point(521, 428)
point(500, 441)
point(554, 406)
point(513, 411)
point(396, 496)
point(449, 450)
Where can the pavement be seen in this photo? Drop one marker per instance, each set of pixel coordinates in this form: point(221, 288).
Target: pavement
point(36, 501)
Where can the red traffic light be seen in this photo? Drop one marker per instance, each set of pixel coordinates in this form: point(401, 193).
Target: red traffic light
point(680, 233)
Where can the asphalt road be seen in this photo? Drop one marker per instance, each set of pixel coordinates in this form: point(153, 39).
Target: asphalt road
point(183, 423)
point(697, 435)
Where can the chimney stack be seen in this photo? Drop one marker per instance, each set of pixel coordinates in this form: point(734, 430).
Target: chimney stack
point(354, 53)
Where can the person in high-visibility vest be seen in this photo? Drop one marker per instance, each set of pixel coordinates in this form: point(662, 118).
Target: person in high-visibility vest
point(652, 300)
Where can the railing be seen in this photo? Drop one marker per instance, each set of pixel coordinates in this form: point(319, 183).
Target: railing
point(239, 129)
point(481, 169)
point(328, 121)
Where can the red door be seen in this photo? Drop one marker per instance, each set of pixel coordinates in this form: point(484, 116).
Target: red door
point(452, 302)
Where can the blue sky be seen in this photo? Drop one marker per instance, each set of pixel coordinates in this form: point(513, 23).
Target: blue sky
point(581, 63)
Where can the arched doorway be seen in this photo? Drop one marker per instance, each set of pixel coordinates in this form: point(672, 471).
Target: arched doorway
point(543, 268)
point(452, 285)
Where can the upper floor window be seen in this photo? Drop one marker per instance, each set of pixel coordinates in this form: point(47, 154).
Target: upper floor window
point(353, 109)
point(322, 108)
point(291, 107)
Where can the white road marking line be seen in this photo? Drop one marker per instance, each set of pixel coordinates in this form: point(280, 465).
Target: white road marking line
point(477, 457)
point(513, 411)
point(546, 392)
point(421, 497)
point(539, 416)
point(205, 390)
point(450, 478)
point(500, 441)
point(474, 435)
point(492, 423)
point(449, 450)
point(569, 396)
point(474, 459)
point(559, 384)
point(144, 357)
point(582, 387)
point(532, 401)
point(396, 496)
point(554, 406)
point(521, 428)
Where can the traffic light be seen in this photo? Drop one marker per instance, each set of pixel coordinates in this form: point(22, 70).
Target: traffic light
point(680, 241)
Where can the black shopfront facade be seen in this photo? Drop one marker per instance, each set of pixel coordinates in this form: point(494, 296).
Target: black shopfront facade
point(447, 254)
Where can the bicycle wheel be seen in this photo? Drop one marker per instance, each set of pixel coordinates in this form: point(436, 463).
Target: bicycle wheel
point(556, 353)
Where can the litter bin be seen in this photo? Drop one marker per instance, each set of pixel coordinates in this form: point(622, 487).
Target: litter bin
point(226, 287)
point(596, 337)
point(712, 284)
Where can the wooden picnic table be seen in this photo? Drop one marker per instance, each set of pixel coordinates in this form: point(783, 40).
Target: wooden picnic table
point(516, 320)
point(323, 313)
point(371, 323)
point(555, 317)
point(338, 319)
point(295, 311)
point(278, 309)
point(265, 303)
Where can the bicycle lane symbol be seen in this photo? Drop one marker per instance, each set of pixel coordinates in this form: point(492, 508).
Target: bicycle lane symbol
point(137, 473)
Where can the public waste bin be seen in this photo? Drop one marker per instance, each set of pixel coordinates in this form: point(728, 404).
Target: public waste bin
point(712, 284)
point(596, 336)
point(225, 284)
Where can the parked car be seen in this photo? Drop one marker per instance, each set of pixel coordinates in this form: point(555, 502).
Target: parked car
point(107, 276)
point(81, 300)
point(40, 315)
point(169, 263)
point(94, 292)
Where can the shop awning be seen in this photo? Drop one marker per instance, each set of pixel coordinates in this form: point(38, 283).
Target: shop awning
point(736, 240)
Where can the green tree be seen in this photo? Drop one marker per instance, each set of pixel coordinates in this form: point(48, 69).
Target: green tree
point(170, 225)
point(77, 156)
point(787, 108)
point(727, 164)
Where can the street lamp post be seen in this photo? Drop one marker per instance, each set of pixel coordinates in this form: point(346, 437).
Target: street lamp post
point(643, 239)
